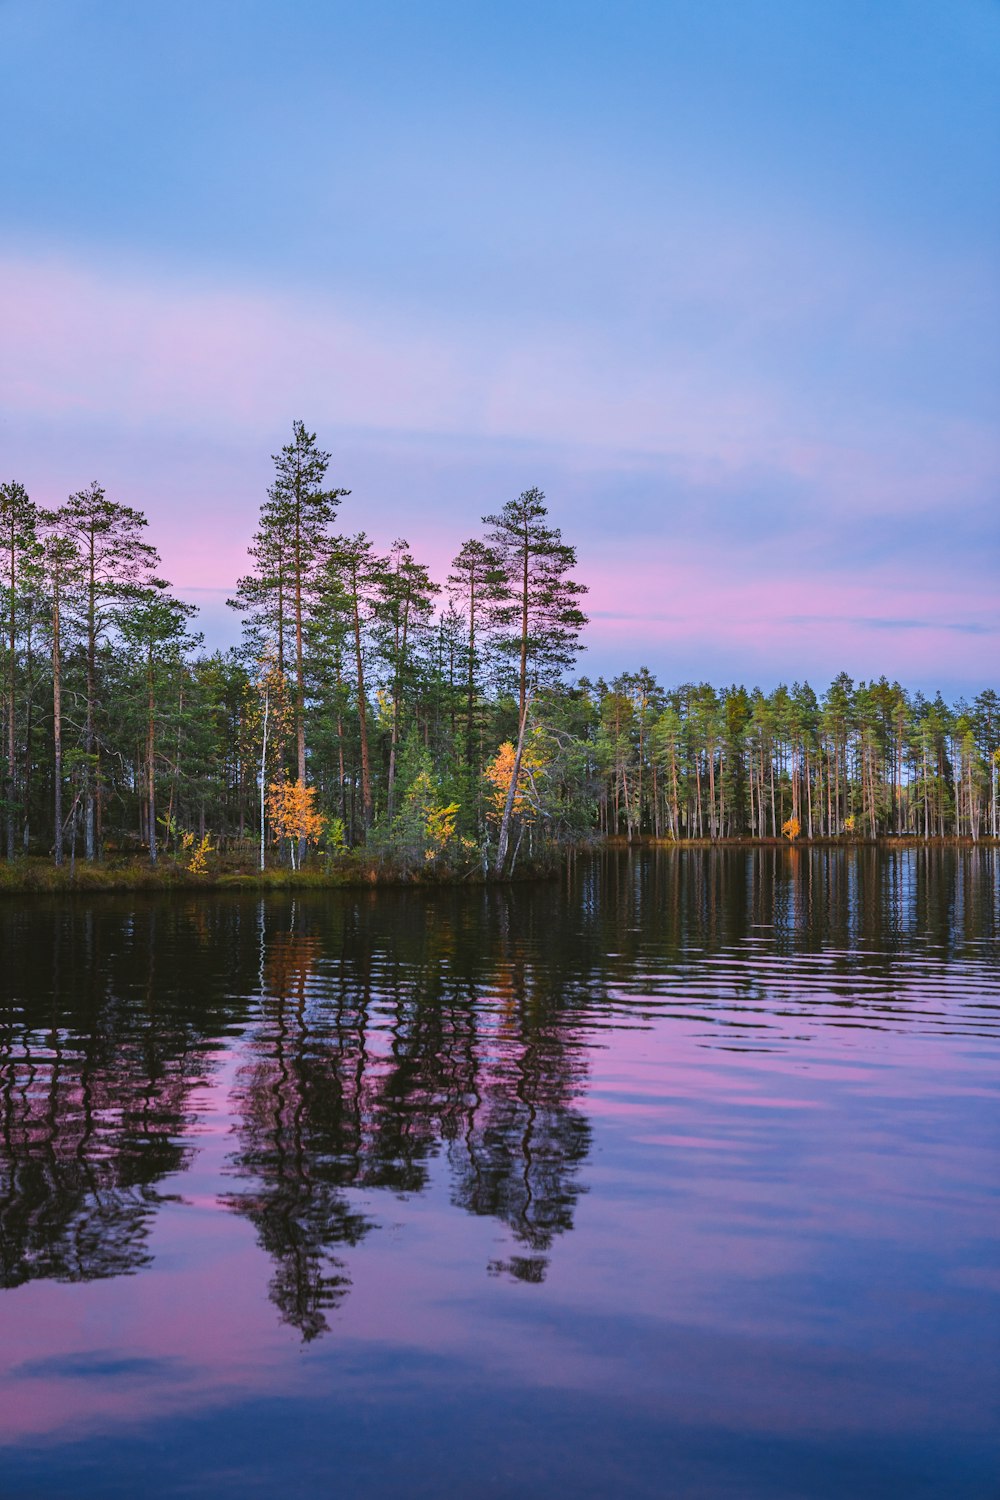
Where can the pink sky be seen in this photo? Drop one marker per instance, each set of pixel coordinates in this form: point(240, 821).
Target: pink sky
point(726, 529)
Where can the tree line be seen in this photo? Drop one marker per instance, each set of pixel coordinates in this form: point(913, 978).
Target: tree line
point(369, 705)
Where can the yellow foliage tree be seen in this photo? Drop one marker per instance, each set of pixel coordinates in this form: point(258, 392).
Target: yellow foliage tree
point(199, 852)
point(440, 829)
point(791, 828)
point(432, 822)
point(291, 811)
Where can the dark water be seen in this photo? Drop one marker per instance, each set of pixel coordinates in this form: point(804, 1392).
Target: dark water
point(680, 1178)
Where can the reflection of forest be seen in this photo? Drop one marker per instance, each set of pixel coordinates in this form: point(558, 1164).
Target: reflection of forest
point(380, 1033)
point(373, 1055)
point(648, 911)
point(100, 1048)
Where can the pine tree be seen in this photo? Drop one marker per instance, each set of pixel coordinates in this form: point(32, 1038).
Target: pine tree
point(404, 607)
point(154, 626)
point(538, 623)
point(18, 549)
point(62, 569)
point(538, 620)
point(289, 550)
point(475, 585)
point(352, 579)
point(116, 564)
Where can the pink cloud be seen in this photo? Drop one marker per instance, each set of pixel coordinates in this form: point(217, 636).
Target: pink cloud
point(172, 392)
point(765, 618)
point(140, 348)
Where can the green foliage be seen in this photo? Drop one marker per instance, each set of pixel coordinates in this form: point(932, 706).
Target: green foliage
point(424, 829)
point(121, 737)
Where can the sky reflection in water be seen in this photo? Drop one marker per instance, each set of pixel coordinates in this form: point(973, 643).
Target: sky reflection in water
point(678, 1178)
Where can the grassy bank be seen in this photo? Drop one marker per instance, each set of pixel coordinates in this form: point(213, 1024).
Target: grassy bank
point(27, 875)
point(353, 871)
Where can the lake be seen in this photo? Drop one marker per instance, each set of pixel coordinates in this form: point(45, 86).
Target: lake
point(678, 1177)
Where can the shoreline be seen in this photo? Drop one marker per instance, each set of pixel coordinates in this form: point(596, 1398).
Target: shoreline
point(33, 875)
point(845, 841)
point(38, 877)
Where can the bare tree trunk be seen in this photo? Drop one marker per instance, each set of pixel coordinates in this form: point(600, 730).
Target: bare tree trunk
point(151, 754)
point(809, 799)
point(57, 724)
point(397, 691)
point(675, 807)
point(175, 780)
point(89, 844)
point(300, 683)
point(263, 771)
point(366, 774)
point(11, 694)
point(29, 666)
point(471, 685)
point(523, 696)
point(713, 829)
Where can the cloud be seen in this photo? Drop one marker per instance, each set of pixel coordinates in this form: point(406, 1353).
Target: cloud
point(873, 622)
point(745, 535)
point(159, 351)
point(691, 615)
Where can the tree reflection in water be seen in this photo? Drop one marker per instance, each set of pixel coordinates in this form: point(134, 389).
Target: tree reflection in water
point(294, 1132)
point(96, 1076)
point(383, 1037)
point(370, 1058)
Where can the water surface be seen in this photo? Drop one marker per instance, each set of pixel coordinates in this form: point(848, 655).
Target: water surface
point(679, 1177)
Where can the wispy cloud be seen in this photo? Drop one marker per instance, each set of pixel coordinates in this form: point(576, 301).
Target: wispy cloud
point(161, 351)
point(740, 539)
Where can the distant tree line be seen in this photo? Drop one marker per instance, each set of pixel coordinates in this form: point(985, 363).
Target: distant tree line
point(430, 722)
point(865, 758)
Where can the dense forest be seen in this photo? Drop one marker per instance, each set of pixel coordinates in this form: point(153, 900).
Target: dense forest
point(433, 723)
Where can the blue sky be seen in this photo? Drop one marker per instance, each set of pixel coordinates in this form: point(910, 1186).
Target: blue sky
point(721, 278)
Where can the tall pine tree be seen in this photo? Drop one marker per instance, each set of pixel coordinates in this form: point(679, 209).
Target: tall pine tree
point(288, 551)
point(18, 546)
point(538, 621)
point(116, 564)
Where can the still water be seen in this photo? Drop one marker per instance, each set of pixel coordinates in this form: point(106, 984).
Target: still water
point(679, 1177)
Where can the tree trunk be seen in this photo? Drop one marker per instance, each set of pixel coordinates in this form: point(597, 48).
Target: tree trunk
point(263, 771)
point(397, 691)
point(29, 667)
point(471, 686)
point(366, 774)
point(300, 682)
point(523, 695)
point(11, 694)
point(88, 736)
point(508, 806)
point(151, 754)
point(57, 724)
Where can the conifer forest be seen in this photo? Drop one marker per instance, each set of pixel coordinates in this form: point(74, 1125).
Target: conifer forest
point(435, 724)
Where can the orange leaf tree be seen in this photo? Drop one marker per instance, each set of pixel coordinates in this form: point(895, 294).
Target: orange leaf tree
point(291, 810)
point(527, 803)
